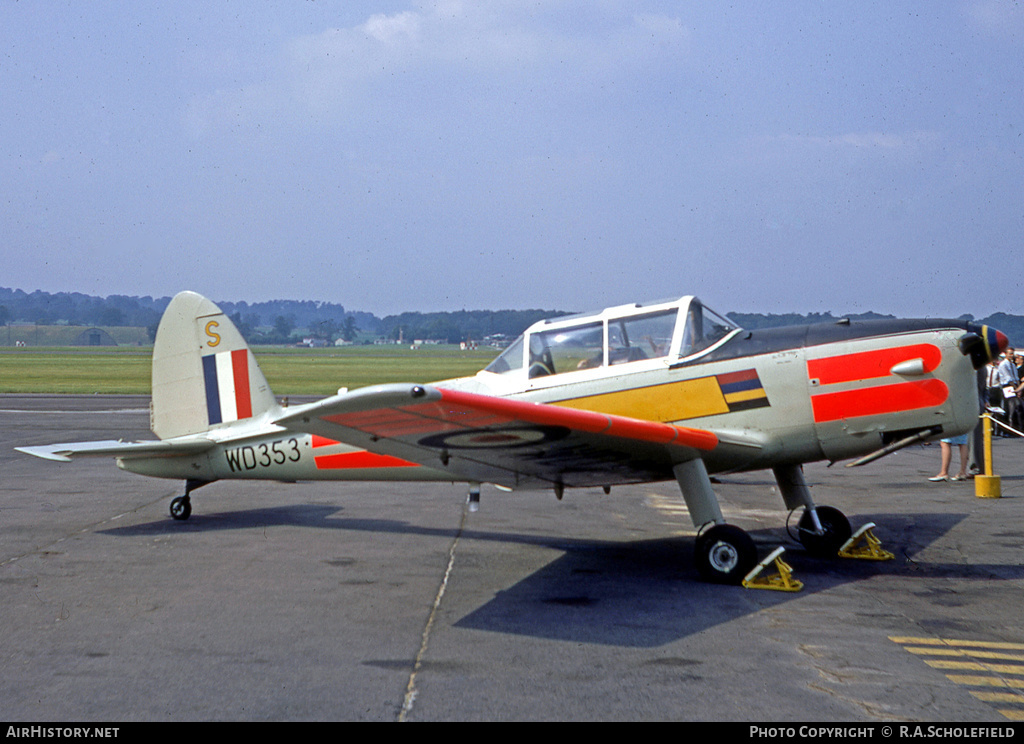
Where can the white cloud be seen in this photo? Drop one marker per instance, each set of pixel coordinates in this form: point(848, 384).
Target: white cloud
point(492, 47)
point(397, 29)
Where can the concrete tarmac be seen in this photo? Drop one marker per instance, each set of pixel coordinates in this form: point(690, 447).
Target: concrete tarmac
point(386, 602)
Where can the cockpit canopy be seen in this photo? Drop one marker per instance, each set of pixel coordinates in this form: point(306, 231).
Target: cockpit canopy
point(672, 331)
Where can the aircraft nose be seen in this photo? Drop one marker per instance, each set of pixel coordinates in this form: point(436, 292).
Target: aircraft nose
point(983, 344)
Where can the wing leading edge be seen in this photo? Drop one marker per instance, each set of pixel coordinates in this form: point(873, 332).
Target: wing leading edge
point(498, 440)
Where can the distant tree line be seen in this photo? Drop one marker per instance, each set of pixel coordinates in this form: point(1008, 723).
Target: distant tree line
point(272, 322)
point(279, 321)
point(463, 325)
point(74, 308)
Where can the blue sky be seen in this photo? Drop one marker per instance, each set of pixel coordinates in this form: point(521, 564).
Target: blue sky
point(570, 154)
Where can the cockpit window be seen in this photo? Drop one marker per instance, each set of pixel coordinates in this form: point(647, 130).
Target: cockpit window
point(591, 343)
point(510, 360)
point(704, 327)
point(566, 349)
point(640, 337)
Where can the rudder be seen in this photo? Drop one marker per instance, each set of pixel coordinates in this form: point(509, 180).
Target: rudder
point(204, 374)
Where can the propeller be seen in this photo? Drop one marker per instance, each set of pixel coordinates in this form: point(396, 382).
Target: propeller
point(982, 344)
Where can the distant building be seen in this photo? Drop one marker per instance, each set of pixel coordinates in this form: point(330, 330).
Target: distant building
point(94, 337)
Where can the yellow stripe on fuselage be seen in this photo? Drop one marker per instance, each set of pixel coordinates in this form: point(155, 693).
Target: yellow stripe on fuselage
point(674, 401)
point(745, 395)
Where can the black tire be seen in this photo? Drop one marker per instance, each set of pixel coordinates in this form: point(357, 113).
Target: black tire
point(837, 531)
point(181, 507)
point(725, 554)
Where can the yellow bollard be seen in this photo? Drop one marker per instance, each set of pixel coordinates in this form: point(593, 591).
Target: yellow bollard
point(987, 486)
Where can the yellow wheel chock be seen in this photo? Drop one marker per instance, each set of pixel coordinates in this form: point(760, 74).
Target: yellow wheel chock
point(870, 550)
point(781, 582)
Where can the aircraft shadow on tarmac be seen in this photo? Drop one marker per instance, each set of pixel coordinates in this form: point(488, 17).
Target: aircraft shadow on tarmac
point(642, 593)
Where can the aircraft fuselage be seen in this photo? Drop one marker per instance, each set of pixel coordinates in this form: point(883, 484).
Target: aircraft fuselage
point(797, 394)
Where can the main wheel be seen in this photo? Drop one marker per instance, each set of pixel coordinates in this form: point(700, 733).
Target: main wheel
point(181, 507)
point(837, 531)
point(725, 554)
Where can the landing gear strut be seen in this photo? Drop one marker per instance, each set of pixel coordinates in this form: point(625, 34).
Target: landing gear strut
point(181, 507)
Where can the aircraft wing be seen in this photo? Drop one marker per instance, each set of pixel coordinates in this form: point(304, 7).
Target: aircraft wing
point(116, 448)
point(500, 440)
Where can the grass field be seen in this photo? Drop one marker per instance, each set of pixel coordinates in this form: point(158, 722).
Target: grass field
point(289, 371)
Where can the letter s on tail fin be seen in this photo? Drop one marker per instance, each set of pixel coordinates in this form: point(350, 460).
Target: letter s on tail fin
point(204, 374)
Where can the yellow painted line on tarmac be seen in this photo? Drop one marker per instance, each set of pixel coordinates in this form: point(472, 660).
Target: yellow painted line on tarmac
point(976, 656)
point(975, 666)
point(903, 640)
point(999, 697)
point(938, 651)
point(972, 680)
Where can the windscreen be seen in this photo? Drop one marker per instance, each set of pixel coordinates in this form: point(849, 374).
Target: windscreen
point(704, 327)
point(510, 360)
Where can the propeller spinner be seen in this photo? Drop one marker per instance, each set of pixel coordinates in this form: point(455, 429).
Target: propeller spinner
point(982, 344)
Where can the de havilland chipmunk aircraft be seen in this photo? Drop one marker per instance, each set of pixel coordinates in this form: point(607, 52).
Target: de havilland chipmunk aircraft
point(631, 394)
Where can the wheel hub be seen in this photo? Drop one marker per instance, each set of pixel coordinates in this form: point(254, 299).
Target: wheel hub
point(723, 557)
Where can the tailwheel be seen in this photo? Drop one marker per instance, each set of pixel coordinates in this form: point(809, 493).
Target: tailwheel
point(836, 531)
point(181, 507)
point(725, 554)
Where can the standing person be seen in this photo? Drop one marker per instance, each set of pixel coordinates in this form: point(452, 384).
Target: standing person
point(1019, 424)
point(994, 392)
point(994, 396)
point(976, 439)
point(947, 459)
point(1008, 379)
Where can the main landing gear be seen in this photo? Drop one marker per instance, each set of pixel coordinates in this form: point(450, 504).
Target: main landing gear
point(724, 553)
point(830, 534)
point(822, 530)
point(181, 506)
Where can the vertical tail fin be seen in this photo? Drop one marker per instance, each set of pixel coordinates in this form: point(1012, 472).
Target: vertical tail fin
point(204, 374)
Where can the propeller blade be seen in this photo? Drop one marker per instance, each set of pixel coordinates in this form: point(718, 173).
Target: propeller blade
point(982, 344)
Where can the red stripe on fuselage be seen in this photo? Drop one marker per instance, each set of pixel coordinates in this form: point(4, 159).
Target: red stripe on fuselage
point(352, 460)
point(868, 365)
point(903, 396)
point(361, 459)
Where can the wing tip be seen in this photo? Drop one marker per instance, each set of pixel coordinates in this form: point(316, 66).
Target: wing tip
point(46, 453)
